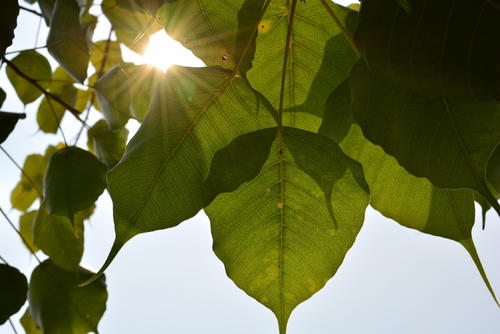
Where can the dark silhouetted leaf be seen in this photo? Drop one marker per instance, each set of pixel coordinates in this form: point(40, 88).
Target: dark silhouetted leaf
point(8, 22)
point(439, 48)
point(285, 233)
point(59, 306)
point(8, 122)
point(47, 8)
point(13, 289)
point(68, 39)
point(447, 141)
point(37, 67)
point(73, 182)
point(108, 145)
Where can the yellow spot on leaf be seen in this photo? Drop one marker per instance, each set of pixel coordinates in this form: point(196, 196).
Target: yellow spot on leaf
point(264, 26)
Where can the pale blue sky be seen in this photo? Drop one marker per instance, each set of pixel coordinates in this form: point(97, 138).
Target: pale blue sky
point(394, 280)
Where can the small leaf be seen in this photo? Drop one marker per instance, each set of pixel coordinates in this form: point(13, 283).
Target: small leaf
point(60, 238)
point(449, 142)
point(108, 145)
point(73, 182)
point(59, 306)
point(112, 91)
point(2, 96)
point(439, 48)
point(8, 122)
point(26, 229)
point(28, 323)
point(13, 289)
point(25, 192)
point(37, 67)
point(8, 22)
point(68, 41)
point(284, 234)
point(411, 201)
point(113, 55)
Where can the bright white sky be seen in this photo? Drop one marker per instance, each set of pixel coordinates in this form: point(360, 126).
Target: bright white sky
point(394, 280)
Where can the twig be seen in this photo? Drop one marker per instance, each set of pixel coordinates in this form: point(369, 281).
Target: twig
point(3, 260)
point(31, 11)
point(71, 109)
point(12, 325)
point(32, 49)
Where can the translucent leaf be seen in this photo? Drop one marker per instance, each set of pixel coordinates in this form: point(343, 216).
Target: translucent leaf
point(159, 181)
point(108, 145)
point(25, 192)
point(26, 228)
point(13, 289)
point(8, 122)
point(409, 200)
point(143, 80)
point(59, 306)
point(28, 323)
point(8, 22)
point(449, 142)
point(37, 67)
point(284, 234)
point(112, 91)
point(439, 48)
point(67, 41)
point(60, 238)
point(73, 182)
point(113, 55)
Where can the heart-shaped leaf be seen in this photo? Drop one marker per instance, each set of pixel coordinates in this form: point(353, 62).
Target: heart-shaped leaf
point(13, 289)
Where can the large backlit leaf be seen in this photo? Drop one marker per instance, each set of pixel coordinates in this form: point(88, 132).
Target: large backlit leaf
point(143, 80)
point(13, 289)
point(159, 181)
point(411, 201)
point(320, 58)
point(285, 233)
point(68, 41)
point(73, 182)
point(59, 306)
point(149, 6)
point(37, 67)
point(8, 22)
point(493, 172)
point(112, 91)
point(51, 112)
point(8, 122)
point(437, 48)
point(447, 141)
point(132, 28)
point(108, 145)
point(60, 238)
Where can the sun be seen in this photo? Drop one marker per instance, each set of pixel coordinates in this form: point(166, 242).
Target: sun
point(163, 52)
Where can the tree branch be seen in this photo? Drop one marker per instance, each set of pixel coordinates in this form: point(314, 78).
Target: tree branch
point(31, 11)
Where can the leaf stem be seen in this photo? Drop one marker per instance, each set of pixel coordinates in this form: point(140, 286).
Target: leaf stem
point(19, 233)
point(30, 11)
point(346, 33)
point(3, 260)
point(30, 180)
point(71, 109)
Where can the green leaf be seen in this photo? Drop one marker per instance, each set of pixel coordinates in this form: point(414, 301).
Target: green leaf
point(68, 41)
point(285, 233)
point(493, 172)
point(47, 8)
point(108, 145)
point(59, 306)
point(149, 6)
point(320, 58)
point(131, 27)
point(160, 180)
point(438, 48)
point(37, 67)
point(28, 323)
point(409, 200)
point(2, 96)
point(8, 22)
point(73, 182)
point(30, 186)
point(113, 55)
point(13, 289)
point(60, 238)
point(449, 142)
point(112, 91)
point(8, 122)
point(26, 229)
point(143, 80)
